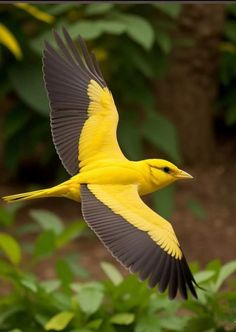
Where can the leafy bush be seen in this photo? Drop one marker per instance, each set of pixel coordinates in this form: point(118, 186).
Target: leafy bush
point(227, 101)
point(130, 39)
point(116, 304)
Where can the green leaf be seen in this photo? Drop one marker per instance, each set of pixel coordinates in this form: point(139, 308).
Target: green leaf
point(81, 330)
point(45, 244)
point(123, 318)
point(98, 9)
point(164, 41)
point(112, 273)
point(164, 201)
point(231, 115)
point(48, 221)
point(172, 10)
point(50, 286)
point(204, 276)
point(61, 8)
point(197, 209)
point(90, 298)
point(148, 323)
point(131, 294)
point(201, 323)
point(93, 29)
point(214, 265)
point(138, 29)
point(88, 29)
point(173, 323)
point(32, 92)
point(71, 232)
point(94, 324)
point(159, 131)
point(59, 321)
point(11, 248)
point(29, 282)
point(7, 216)
point(225, 272)
point(7, 312)
point(64, 272)
point(73, 263)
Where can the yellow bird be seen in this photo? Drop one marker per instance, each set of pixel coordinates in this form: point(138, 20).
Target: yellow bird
point(83, 122)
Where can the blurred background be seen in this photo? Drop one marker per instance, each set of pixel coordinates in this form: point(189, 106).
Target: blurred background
point(172, 71)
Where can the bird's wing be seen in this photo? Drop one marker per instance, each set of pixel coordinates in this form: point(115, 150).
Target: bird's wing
point(137, 237)
point(83, 114)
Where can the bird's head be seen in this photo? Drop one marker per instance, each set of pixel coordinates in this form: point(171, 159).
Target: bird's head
point(164, 172)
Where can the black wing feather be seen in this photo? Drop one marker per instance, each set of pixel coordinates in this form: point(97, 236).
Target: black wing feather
point(134, 249)
point(67, 74)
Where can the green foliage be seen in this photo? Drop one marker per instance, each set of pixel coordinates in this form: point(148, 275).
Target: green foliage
point(62, 303)
point(227, 100)
point(117, 34)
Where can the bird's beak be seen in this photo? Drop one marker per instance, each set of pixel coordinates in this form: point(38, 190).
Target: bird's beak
point(183, 175)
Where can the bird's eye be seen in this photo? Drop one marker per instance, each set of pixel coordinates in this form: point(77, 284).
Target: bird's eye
point(166, 169)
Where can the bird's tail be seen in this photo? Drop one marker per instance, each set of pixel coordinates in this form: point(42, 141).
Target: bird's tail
point(63, 190)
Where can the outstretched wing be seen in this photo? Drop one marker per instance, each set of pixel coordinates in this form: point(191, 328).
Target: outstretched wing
point(137, 237)
point(83, 114)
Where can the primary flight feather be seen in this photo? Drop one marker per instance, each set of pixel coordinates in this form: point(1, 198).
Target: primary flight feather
point(83, 122)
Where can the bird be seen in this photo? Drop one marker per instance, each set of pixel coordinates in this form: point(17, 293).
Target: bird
point(83, 121)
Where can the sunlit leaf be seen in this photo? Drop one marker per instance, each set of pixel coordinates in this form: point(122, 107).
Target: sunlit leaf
point(10, 247)
point(35, 12)
point(7, 39)
point(112, 273)
point(122, 318)
point(59, 321)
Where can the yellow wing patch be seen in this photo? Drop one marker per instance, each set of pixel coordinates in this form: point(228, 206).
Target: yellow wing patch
point(98, 138)
point(125, 201)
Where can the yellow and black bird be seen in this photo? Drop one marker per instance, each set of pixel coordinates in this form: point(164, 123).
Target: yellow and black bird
point(83, 122)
